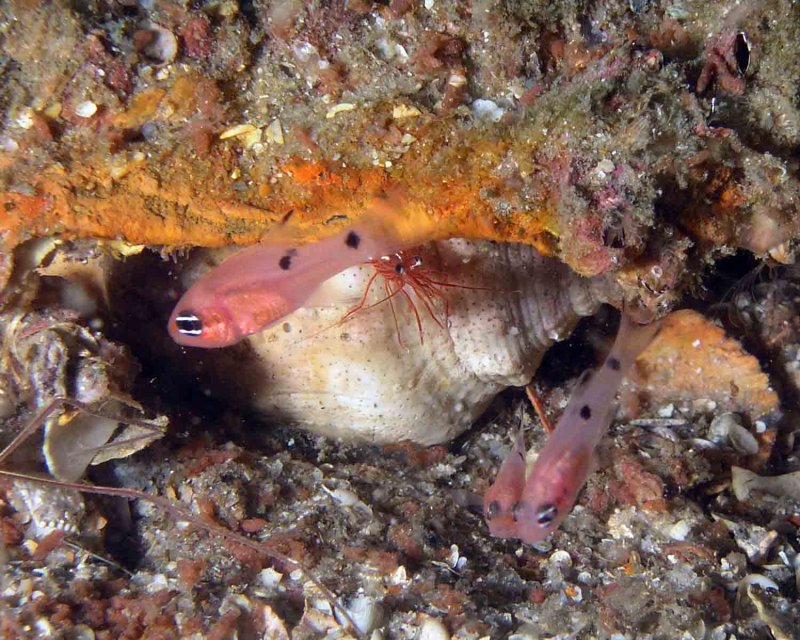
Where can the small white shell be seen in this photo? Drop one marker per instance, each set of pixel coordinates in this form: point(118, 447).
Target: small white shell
point(85, 109)
point(375, 379)
point(164, 45)
point(728, 427)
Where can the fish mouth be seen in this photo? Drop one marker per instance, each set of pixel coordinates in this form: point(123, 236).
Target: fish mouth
point(503, 527)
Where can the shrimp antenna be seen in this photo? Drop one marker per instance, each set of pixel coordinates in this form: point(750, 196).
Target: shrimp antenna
point(520, 417)
point(404, 273)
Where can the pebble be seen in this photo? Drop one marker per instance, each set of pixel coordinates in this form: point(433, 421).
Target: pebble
point(24, 118)
point(680, 530)
point(164, 46)
point(339, 108)
point(666, 411)
point(433, 629)
point(270, 578)
point(487, 110)
point(728, 426)
point(366, 614)
point(560, 557)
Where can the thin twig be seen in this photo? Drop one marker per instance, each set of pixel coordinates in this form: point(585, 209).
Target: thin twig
point(178, 512)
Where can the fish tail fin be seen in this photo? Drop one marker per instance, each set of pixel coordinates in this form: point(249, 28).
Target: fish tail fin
point(632, 339)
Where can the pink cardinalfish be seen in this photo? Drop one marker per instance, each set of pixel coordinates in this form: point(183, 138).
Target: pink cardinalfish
point(532, 509)
point(258, 286)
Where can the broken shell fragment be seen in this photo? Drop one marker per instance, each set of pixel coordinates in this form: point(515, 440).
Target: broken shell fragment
point(76, 439)
point(237, 131)
point(728, 428)
point(54, 355)
point(755, 541)
point(274, 132)
point(339, 108)
point(777, 613)
point(401, 111)
point(365, 613)
point(403, 366)
point(744, 482)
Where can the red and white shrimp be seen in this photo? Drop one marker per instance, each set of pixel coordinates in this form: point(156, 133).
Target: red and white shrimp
point(405, 274)
point(410, 275)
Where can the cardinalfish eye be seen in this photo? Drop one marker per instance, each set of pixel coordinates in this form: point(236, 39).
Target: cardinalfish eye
point(741, 52)
point(398, 268)
point(546, 514)
point(416, 262)
point(493, 509)
point(188, 324)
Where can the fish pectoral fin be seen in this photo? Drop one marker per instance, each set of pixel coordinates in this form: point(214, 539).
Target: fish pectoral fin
point(330, 295)
point(583, 380)
point(468, 499)
point(593, 464)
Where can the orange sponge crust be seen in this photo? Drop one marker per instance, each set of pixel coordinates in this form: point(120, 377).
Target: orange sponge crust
point(599, 153)
point(174, 203)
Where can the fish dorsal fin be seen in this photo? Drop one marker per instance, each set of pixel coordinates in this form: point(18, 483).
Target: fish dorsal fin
point(290, 233)
point(394, 216)
point(577, 391)
point(390, 217)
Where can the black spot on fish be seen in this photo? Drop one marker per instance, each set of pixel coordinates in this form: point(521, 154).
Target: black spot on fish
point(586, 412)
point(352, 240)
point(614, 364)
point(493, 509)
point(285, 262)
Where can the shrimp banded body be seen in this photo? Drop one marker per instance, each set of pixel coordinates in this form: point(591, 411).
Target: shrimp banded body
point(258, 286)
point(533, 509)
point(403, 274)
point(417, 279)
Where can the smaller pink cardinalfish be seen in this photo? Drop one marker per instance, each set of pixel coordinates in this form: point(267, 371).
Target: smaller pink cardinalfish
point(258, 286)
point(532, 509)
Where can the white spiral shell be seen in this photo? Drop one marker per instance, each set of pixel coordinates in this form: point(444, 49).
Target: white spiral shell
point(372, 379)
